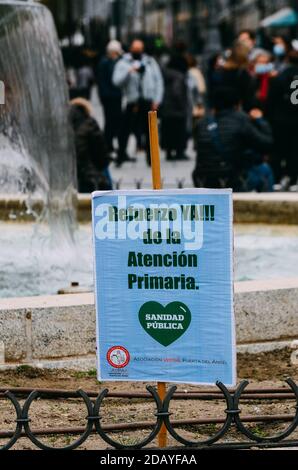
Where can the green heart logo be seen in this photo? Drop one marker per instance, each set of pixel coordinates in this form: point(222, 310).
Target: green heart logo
point(165, 324)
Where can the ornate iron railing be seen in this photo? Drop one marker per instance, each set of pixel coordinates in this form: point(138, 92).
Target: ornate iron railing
point(94, 426)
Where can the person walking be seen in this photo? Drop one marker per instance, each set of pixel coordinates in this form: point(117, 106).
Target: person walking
point(139, 77)
point(110, 95)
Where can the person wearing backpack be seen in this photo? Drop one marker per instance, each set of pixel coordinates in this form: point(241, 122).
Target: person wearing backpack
point(226, 140)
point(282, 113)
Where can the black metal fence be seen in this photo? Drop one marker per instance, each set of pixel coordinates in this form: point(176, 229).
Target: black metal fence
point(232, 418)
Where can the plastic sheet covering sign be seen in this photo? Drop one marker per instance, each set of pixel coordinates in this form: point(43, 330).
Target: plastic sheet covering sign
point(164, 286)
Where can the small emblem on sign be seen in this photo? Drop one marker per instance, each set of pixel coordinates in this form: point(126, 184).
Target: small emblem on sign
point(118, 357)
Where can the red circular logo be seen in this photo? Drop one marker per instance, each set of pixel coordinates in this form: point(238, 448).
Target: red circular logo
point(118, 357)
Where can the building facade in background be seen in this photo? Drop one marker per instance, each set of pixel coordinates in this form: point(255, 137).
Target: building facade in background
point(192, 20)
point(73, 15)
point(202, 24)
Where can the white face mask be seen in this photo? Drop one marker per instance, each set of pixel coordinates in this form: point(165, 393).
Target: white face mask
point(262, 69)
point(279, 50)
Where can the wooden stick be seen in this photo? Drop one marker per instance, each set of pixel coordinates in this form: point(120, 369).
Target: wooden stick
point(163, 433)
point(154, 150)
point(157, 184)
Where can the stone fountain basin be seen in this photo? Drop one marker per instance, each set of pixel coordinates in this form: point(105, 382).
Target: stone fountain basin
point(271, 208)
point(59, 331)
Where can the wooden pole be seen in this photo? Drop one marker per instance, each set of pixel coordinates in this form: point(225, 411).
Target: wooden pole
point(154, 150)
point(157, 184)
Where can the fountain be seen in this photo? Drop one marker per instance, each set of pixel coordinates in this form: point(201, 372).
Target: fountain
point(37, 165)
point(35, 145)
point(36, 148)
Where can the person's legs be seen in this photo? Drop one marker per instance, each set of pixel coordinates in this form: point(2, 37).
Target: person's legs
point(108, 114)
point(165, 137)
point(107, 174)
point(180, 138)
point(279, 151)
point(144, 108)
point(126, 128)
point(174, 137)
point(291, 156)
point(117, 119)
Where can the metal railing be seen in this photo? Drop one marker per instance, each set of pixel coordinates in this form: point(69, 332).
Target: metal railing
point(232, 417)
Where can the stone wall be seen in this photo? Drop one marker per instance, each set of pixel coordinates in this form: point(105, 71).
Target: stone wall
point(61, 329)
point(273, 208)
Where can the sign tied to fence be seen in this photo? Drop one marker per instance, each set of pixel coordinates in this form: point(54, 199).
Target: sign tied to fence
point(164, 286)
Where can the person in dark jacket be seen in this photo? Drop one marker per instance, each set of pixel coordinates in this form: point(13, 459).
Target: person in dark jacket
point(91, 150)
point(282, 112)
point(175, 108)
point(233, 73)
point(225, 139)
point(110, 95)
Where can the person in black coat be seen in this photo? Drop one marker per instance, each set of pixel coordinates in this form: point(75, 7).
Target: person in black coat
point(282, 113)
point(91, 150)
point(175, 108)
point(110, 95)
point(224, 141)
point(233, 73)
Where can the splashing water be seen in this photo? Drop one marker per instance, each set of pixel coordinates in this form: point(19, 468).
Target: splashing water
point(261, 253)
point(36, 146)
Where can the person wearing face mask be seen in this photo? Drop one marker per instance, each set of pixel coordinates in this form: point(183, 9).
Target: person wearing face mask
point(263, 71)
point(139, 77)
point(281, 48)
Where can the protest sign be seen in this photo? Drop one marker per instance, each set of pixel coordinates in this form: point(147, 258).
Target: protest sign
point(164, 286)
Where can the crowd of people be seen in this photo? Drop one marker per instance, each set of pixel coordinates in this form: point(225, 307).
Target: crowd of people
point(239, 112)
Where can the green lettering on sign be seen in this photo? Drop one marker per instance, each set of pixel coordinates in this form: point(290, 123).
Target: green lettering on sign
point(165, 324)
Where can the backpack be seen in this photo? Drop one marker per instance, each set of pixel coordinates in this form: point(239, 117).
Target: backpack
point(217, 143)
